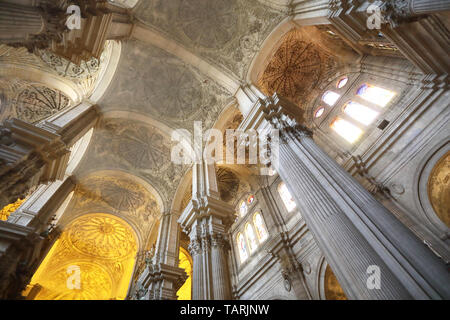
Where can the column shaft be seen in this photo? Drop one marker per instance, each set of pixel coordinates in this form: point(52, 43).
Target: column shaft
point(18, 22)
point(429, 6)
point(197, 274)
point(222, 290)
point(354, 230)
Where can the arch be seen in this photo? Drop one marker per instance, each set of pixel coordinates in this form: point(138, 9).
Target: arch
point(328, 286)
point(78, 150)
point(107, 73)
point(94, 258)
point(125, 174)
point(421, 183)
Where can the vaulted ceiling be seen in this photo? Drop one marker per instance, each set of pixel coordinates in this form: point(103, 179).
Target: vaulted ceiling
point(183, 64)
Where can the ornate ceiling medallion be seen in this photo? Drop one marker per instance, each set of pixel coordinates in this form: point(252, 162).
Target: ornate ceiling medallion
point(102, 236)
point(296, 69)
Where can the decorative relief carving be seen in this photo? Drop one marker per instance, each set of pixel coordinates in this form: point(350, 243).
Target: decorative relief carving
point(36, 103)
point(210, 23)
point(137, 148)
point(296, 69)
point(30, 102)
point(168, 89)
point(227, 33)
point(102, 236)
point(120, 196)
point(104, 239)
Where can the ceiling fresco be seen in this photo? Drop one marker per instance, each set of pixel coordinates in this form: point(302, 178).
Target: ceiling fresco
point(157, 84)
point(226, 33)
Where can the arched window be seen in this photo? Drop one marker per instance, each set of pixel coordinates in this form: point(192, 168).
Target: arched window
point(243, 208)
point(242, 246)
point(261, 230)
point(342, 82)
point(251, 237)
point(376, 95)
point(319, 112)
point(347, 130)
point(286, 196)
point(360, 112)
point(330, 98)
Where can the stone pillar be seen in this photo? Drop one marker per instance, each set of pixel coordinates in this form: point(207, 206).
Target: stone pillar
point(206, 220)
point(410, 8)
point(351, 227)
point(28, 235)
point(41, 24)
point(33, 27)
point(34, 154)
point(162, 278)
point(221, 281)
point(18, 23)
point(28, 156)
point(195, 249)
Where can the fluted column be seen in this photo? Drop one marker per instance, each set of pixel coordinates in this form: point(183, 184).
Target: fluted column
point(221, 282)
point(18, 22)
point(206, 220)
point(353, 229)
point(162, 277)
point(410, 8)
point(195, 249)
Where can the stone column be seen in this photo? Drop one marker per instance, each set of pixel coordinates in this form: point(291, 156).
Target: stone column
point(33, 27)
point(206, 220)
point(410, 8)
point(353, 229)
point(162, 277)
point(195, 249)
point(28, 156)
point(18, 23)
point(34, 154)
point(221, 281)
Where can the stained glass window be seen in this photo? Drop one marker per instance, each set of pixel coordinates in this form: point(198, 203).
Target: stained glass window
point(319, 112)
point(260, 227)
point(341, 83)
point(250, 199)
point(375, 94)
point(347, 130)
point(330, 97)
point(360, 112)
point(286, 196)
point(243, 253)
point(242, 208)
point(251, 237)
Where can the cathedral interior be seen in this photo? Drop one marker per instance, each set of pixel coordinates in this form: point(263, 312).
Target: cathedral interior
point(354, 204)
